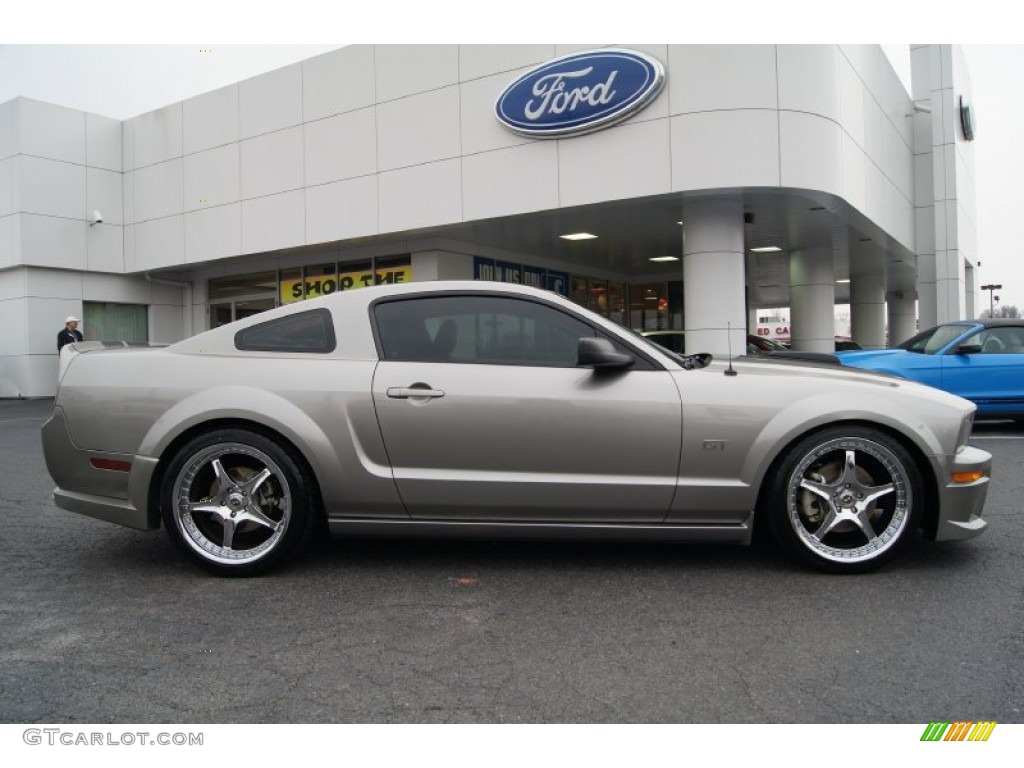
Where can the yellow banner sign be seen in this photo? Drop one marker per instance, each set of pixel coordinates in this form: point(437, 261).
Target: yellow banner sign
point(314, 287)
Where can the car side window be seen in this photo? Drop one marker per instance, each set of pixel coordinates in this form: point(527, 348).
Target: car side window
point(490, 330)
point(311, 331)
point(1000, 341)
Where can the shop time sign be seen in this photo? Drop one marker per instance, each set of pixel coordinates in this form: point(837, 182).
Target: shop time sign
point(314, 287)
point(580, 93)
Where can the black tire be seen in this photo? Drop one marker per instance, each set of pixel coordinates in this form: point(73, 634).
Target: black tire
point(844, 499)
point(237, 503)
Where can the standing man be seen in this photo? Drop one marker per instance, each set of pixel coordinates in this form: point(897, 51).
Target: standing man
point(70, 332)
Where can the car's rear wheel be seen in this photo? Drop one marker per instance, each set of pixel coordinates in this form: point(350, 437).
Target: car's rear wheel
point(845, 499)
point(236, 502)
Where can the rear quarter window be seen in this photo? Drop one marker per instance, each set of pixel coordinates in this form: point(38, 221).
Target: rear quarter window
point(311, 331)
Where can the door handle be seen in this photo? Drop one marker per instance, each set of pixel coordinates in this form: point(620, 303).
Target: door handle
point(405, 393)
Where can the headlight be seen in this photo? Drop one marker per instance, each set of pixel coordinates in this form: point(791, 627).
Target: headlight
point(965, 432)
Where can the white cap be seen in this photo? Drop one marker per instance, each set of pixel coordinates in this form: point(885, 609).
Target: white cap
point(72, 319)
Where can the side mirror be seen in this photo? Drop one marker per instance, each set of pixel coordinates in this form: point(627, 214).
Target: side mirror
point(967, 349)
point(600, 354)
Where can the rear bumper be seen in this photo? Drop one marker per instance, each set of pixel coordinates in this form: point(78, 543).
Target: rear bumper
point(118, 511)
point(961, 504)
point(113, 496)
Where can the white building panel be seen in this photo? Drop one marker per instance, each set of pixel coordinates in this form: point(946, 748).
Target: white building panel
point(421, 196)
point(529, 180)
point(50, 131)
point(213, 233)
point(211, 119)
point(56, 284)
point(341, 210)
point(627, 161)
point(159, 191)
point(811, 152)
point(476, 61)
point(418, 129)
point(213, 177)
point(271, 101)
point(105, 248)
point(277, 221)
point(9, 144)
point(733, 148)
point(48, 241)
point(103, 143)
point(7, 169)
point(705, 78)
point(854, 173)
point(14, 321)
point(338, 81)
point(130, 262)
point(852, 94)
point(10, 240)
point(809, 79)
point(157, 136)
point(165, 324)
point(480, 129)
point(51, 187)
point(159, 243)
point(128, 196)
point(272, 163)
point(38, 373)
point(340, 147)
point(103, 193)
point(403, 70)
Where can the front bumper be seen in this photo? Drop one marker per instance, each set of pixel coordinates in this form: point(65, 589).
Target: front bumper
point(960, 504)
point(116, 497)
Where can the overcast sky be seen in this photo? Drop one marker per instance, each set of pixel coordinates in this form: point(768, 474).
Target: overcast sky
point(127, 78)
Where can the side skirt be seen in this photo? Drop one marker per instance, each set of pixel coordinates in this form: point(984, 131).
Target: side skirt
point(718, 534)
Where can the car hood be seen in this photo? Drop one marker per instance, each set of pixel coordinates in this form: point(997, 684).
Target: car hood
point(865, 356)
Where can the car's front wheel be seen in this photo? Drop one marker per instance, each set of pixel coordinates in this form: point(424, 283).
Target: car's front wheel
point(845, 499)
point(236, 502)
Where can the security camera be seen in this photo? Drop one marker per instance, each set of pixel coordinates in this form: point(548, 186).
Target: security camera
point(97, 218)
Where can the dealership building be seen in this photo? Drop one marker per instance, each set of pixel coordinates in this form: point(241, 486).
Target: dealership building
point(663, 186)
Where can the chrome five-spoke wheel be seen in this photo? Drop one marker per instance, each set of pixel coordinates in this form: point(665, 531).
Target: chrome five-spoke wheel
point(235, 502)
point(845, 499)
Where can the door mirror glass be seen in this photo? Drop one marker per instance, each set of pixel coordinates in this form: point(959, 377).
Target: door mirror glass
point(968, 349)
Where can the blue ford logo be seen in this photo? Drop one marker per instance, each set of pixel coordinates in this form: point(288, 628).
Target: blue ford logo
point(580, 93)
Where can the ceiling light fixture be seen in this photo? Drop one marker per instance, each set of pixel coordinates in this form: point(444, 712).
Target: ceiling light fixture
point(663, 258)
point(579, 236)
point(766, 249)
point(843, 281)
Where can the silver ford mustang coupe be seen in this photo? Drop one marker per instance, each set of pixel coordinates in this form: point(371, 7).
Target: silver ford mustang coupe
point(497, 410)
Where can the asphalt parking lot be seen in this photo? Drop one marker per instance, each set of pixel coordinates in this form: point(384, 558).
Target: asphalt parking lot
point(101, 624)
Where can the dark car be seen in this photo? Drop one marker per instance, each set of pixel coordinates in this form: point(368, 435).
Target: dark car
point(675, 341)
point(980, 360)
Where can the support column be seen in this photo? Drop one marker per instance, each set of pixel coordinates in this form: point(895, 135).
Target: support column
point(812, 300)
point(867, 309)
point(902, 307)
point(713, 277)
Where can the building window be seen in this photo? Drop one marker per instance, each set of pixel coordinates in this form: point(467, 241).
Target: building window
point(105, 321)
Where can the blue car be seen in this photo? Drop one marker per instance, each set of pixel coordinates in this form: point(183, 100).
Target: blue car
point(980, 360)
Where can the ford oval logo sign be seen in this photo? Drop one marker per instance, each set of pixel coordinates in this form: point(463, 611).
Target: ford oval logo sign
point(580, 93)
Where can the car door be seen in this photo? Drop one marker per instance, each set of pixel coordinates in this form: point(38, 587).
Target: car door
point(992, 377)
point(485, 415)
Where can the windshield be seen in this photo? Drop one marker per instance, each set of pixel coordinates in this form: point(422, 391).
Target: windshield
point(931, 341)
